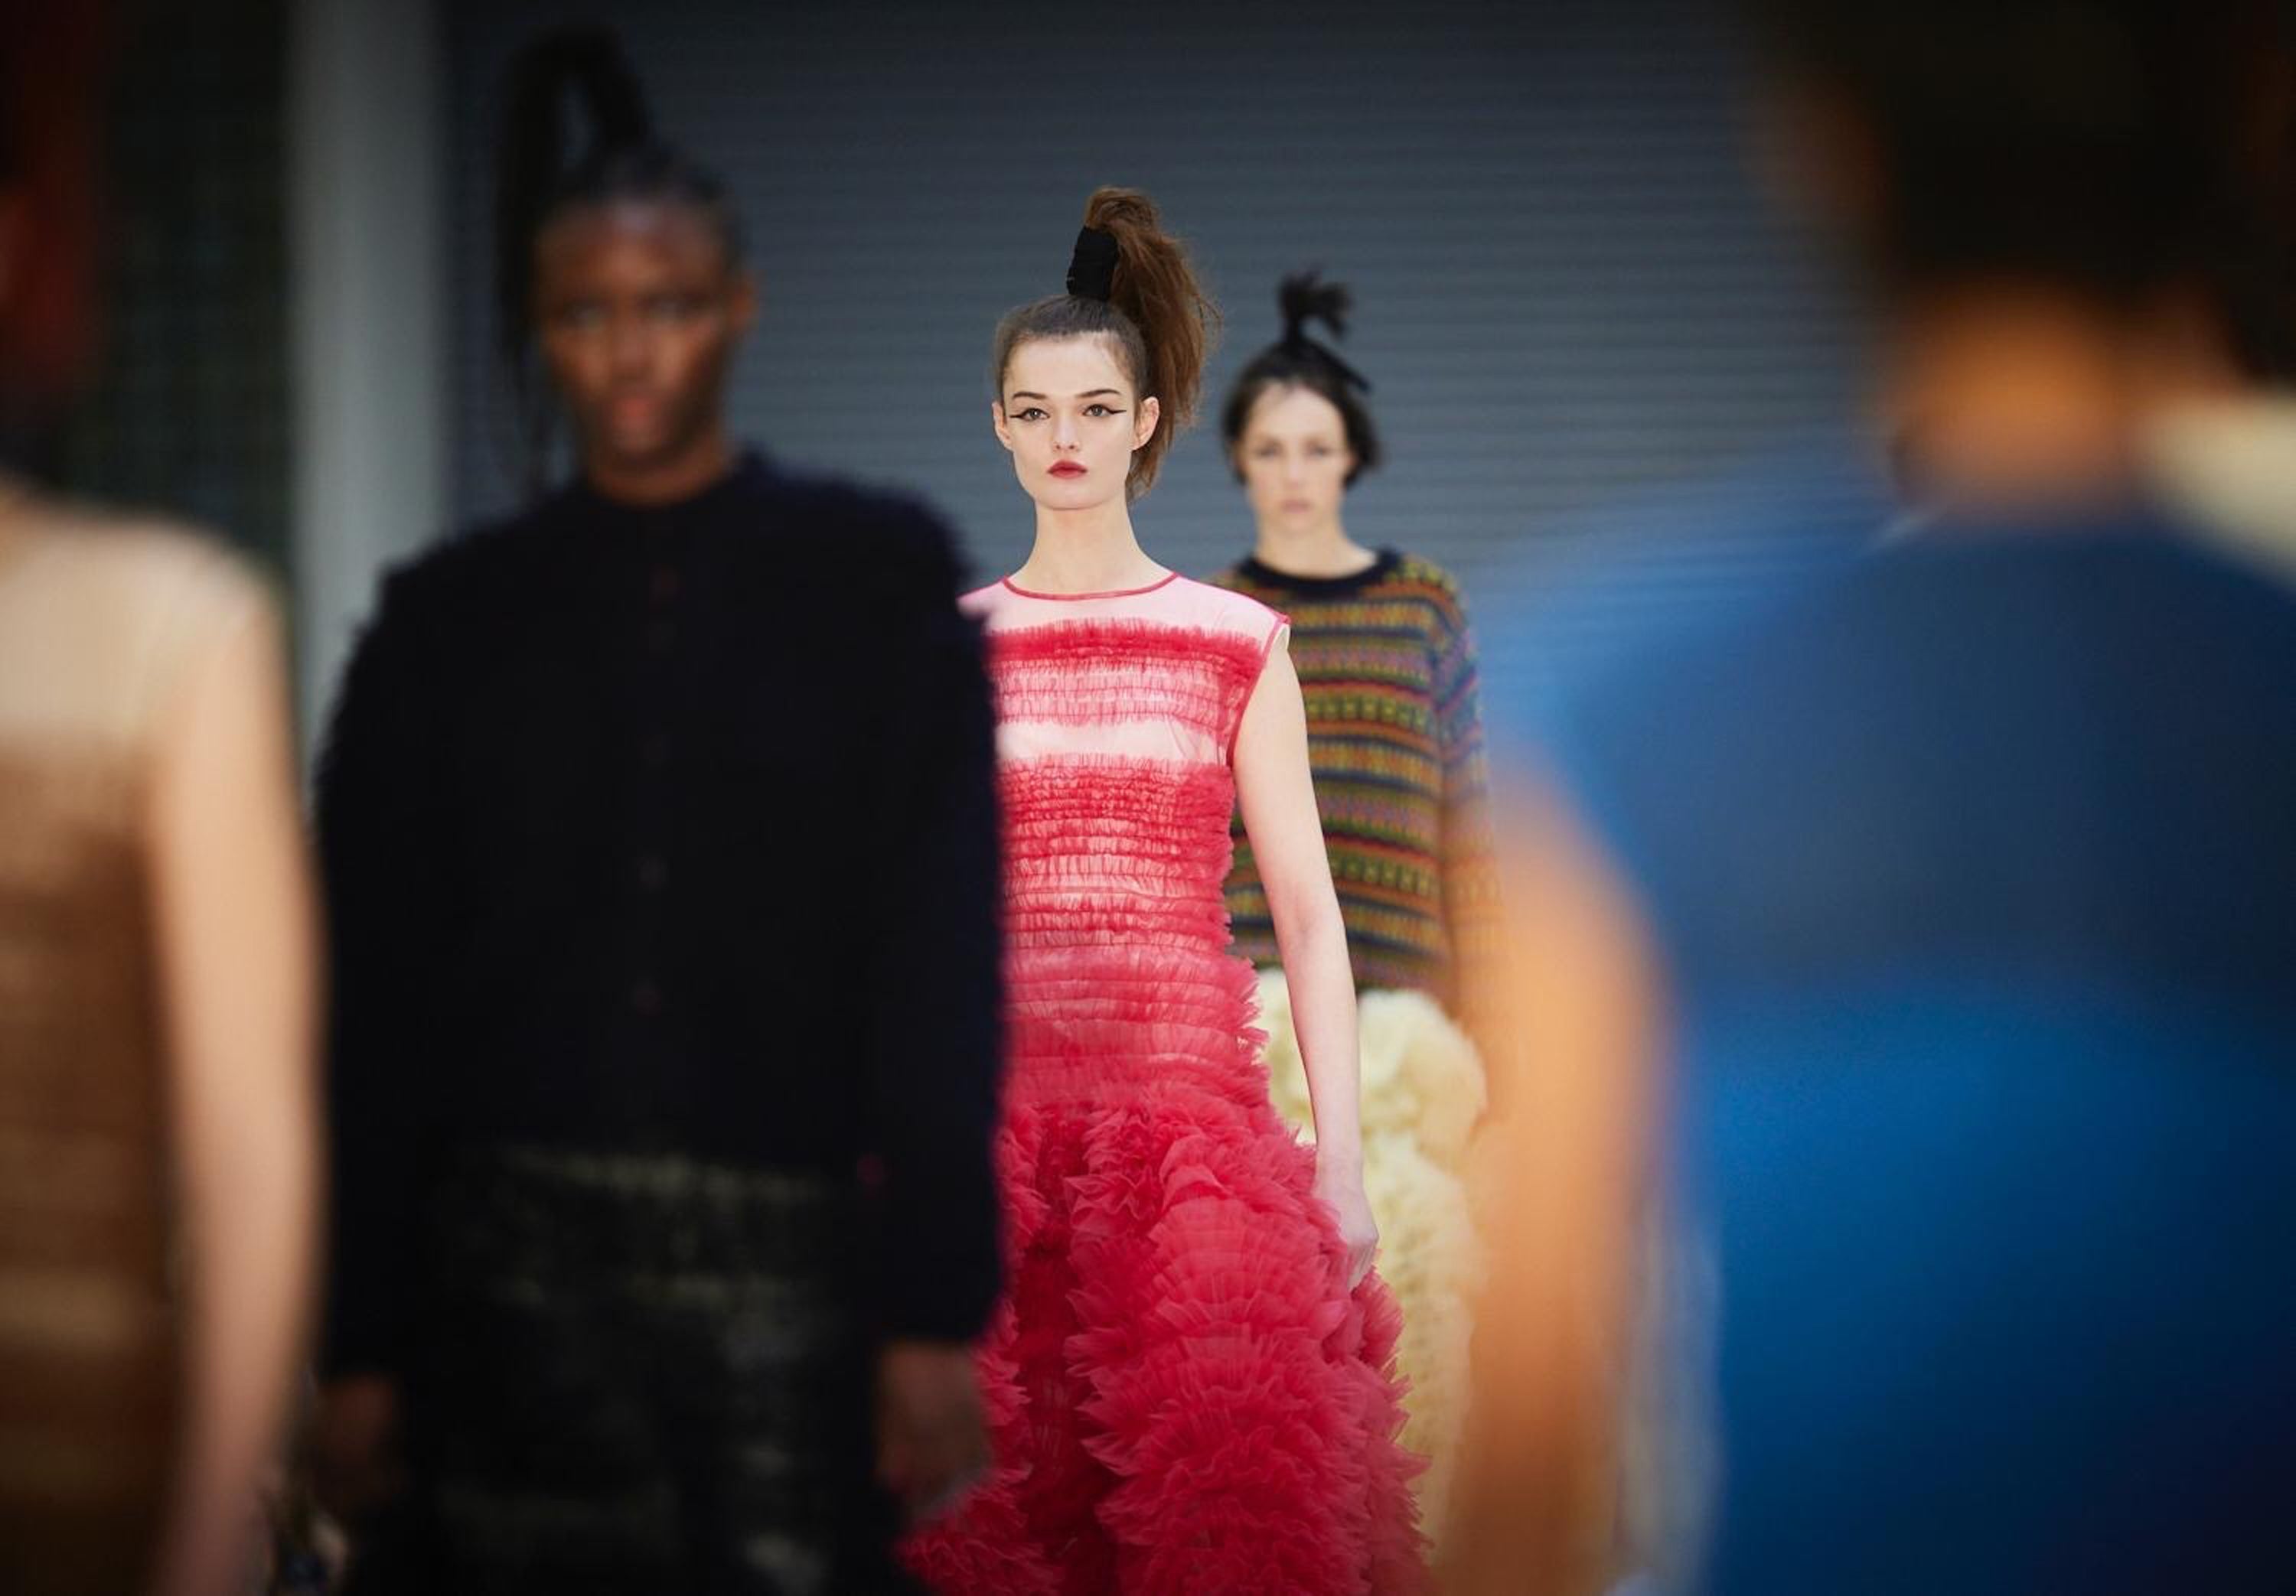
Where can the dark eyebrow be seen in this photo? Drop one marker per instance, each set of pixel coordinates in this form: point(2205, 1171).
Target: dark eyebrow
point(1022, 393)
point(1097, 392)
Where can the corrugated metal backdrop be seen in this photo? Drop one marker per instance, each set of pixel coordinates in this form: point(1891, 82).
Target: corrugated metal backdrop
point(187, 410)
point(1569, 294)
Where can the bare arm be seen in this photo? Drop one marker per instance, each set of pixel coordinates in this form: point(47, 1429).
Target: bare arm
point(1278, 796)
point(1469, 861)
point(235, 928)
point(1565, 1158)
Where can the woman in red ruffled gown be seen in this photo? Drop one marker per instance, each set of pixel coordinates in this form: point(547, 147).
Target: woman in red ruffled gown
point(1190, 1382)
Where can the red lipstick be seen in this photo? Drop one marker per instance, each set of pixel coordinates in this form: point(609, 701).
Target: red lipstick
point(1068, 468)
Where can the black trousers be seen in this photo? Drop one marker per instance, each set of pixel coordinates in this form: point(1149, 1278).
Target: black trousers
point(642, 1374)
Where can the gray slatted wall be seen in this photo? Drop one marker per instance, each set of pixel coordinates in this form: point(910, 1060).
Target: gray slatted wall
point(188, 409)
point(1569, 292)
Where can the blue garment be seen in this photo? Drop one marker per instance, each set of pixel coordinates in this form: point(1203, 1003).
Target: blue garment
point(1601, 590)
point(1973, 870)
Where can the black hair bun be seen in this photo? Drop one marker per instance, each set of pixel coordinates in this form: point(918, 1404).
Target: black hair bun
point(1305, 297)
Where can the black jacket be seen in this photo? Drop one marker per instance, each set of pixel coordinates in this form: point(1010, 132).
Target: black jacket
point(669, 829)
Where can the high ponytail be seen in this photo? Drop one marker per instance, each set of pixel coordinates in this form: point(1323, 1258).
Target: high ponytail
point(534, 162)
point(540, 173)
point(1155, 288)
point(1148, 301)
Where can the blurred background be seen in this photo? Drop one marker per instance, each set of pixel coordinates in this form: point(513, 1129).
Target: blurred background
point(1572, 297)
point(1614, 387)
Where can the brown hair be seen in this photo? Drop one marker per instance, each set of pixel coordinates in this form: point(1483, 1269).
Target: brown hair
point(1162, 322)
point(53, 75)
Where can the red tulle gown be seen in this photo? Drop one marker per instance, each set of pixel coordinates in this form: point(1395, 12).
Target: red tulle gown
point(1184, 1395)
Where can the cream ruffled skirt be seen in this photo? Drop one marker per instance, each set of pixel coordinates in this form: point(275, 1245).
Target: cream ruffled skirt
point(1423, 1094)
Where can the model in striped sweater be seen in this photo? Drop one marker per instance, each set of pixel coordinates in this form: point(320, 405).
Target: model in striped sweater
point(1386, 667)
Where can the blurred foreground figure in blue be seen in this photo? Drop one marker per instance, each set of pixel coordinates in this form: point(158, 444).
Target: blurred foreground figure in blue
point(1942, 917)
point(158, 1139)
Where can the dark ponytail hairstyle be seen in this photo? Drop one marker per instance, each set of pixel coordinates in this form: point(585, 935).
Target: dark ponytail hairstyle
point(1298, 360)
point(539, 176)
point(1129, 281)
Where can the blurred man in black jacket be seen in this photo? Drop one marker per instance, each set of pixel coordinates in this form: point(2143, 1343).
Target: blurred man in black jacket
point(659, 828)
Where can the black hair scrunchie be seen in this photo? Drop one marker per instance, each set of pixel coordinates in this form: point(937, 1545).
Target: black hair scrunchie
point(1091, 268)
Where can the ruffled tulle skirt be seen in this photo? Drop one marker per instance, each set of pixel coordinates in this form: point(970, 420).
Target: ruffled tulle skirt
point(1422, 1093)
point(1184, 1395)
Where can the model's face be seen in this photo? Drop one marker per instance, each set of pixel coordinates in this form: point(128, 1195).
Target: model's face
point(1294, 458)
point(1071, 420)
point(639, 313)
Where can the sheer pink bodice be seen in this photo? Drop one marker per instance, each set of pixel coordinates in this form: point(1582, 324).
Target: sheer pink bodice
point(1160, 673)
point(1117, 715)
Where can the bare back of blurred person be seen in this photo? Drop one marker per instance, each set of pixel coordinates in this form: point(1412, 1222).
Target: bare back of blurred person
point(157, 1153)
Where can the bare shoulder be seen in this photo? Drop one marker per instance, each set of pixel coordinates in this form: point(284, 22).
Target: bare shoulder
point(983, 602)
point(137, 592)
point(130, 566)
point(107, 614)
point(1224, 610)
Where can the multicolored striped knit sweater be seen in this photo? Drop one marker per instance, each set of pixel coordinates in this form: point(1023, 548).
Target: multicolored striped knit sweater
point(1387, 666)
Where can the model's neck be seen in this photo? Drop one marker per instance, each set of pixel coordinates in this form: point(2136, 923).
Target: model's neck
point(1087, 550)
point(1317, 549)
point(2005, 398)
point(693, 469)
